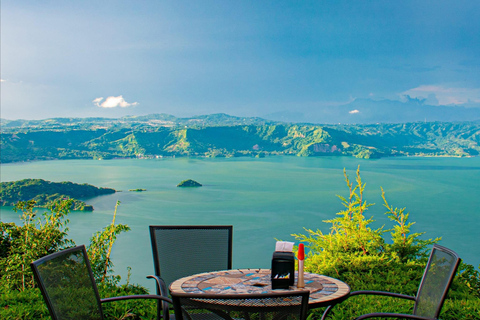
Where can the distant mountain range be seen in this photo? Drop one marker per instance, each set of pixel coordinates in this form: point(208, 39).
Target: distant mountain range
point(359, 111)
point(221, 135)
point(367, 111)
point(164, 120)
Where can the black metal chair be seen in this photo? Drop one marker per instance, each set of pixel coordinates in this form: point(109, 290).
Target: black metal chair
point(284, 305)
point(180, 251)
point(437, 278)
point(68, 287)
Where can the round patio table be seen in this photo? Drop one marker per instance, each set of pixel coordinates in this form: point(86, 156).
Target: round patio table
point(324, 291)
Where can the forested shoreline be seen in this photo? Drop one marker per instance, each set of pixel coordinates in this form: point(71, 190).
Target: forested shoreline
point(45, 193)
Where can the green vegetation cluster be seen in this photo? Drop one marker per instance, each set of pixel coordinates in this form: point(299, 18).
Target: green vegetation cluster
point(356, 253)
point(46, 193)
point(45, 234)
point(225, 136)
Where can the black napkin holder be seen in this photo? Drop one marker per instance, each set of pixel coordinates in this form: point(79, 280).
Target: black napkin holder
point(283, 270)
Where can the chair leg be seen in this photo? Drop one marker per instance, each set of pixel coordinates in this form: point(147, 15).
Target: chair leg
point(326, 312)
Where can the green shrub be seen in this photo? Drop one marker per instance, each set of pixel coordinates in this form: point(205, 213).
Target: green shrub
point(20, 245)
point(40, 236)
point(355, 253)
point(28, 304)
point(100, 248)
point(130, 309)
point(353, 248)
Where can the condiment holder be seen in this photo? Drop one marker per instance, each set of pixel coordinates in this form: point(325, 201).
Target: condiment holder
point(283, 265)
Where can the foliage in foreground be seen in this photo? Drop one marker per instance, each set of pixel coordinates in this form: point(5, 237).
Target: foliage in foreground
point(352, 252)
point(29, 304)
point(40, 236)
point(361, 256)
point(20, 245)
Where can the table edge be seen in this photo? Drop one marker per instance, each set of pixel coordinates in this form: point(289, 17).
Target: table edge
point(341, 294)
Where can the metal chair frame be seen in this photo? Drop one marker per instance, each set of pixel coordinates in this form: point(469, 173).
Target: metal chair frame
point(38, 277)
point(161, 286)
point(239, 302)
point(451, 276)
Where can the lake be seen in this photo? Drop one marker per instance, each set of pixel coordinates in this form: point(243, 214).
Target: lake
point(264, 199)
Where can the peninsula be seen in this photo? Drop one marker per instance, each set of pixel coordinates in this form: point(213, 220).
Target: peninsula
point(46, 192)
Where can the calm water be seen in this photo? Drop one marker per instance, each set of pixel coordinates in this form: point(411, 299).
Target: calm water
point(264, 199)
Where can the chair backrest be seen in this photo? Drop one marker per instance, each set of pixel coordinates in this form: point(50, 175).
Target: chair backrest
point(66, 281)
point(437, 278)
point(284, 305)
point(180, 251)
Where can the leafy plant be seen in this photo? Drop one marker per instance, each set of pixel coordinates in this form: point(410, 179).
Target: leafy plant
point(40, 236)
point(352, 246)
point(361, 256)
point(100, 249)
point(406, 246)
point(36, 238)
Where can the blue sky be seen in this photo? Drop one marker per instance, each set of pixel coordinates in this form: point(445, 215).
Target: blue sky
point(244, 58)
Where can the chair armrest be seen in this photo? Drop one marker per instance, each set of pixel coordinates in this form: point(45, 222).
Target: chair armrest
point(163, 291)
point(382, 293)
point(391, 315)
point(138, 296)
point(161, 286)
point(370, 292)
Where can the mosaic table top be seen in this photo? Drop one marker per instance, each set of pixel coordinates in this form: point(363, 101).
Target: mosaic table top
point(323, 290)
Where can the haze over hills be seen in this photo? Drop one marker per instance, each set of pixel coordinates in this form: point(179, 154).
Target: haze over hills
point(368, 111)
point(359, 111)
point(154, 120)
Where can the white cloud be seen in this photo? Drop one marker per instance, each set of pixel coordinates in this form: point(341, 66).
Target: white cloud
point(113, 102)
point(353, 111)
point(442, 95)
point(97, 101)
point(2, 80)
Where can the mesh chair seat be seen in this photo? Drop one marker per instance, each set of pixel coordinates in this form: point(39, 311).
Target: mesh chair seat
point(68, 287)
point(437, 278)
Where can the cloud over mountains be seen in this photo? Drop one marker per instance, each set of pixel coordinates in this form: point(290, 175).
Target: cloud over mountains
point(443, 95)
point(365, 111)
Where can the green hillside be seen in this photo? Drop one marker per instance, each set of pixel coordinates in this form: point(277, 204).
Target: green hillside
point(150, 137)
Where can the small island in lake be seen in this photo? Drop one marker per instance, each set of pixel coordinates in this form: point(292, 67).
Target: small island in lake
point(189, 183)
point(137, 190)
point(46, 192)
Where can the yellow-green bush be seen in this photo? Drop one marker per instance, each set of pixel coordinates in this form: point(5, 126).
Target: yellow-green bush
point(361, 256)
